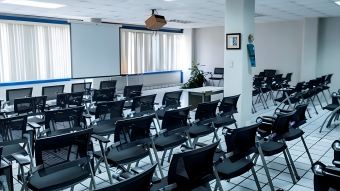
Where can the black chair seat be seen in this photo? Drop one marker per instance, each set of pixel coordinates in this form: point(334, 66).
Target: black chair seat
point(10, 149)
point(36, 120)
point(201, 130)
point(57, 180)
point(331, 107)
point(228, 170)
point(223, 121)
point(325, 87)
point(125, 156)
point(103, 130)
point(272, 148)
point(215, 78)
point(92, 111)
point(294, 134)
point(164, 183)
point(162, 143)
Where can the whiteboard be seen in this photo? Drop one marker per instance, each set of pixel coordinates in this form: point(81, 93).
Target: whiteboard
point(95, 50)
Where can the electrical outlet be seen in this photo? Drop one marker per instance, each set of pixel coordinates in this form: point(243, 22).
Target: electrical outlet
point(231, 64)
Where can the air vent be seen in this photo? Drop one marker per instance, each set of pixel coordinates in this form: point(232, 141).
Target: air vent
point(179, 21)
point(259, 15)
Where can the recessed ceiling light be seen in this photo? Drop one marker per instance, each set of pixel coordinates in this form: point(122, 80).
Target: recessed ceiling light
point(337, 2)
point(33, 4)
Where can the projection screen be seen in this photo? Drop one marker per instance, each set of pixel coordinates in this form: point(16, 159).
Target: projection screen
point(95, 49)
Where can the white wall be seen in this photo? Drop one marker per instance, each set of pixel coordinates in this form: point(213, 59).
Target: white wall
point(329, 50)
point(278, 46)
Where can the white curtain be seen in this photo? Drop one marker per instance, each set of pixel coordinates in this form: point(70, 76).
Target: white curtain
point(34, 52)
point(146, 52)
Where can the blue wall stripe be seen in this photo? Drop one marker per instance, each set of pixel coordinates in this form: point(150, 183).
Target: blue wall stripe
point(29, 19)
point(132, 27)
point(33, 82)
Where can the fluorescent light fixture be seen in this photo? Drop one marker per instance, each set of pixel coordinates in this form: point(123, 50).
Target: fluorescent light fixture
point(33, 4)
point(337, 2)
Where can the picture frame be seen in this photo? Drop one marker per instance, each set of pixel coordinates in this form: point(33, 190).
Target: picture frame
point(233, 41)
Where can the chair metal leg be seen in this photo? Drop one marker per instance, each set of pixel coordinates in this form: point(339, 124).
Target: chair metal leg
point(256, 179)
point(170, 154)
point(72, 188)
point(106, 163)
point(291, 162)
point(314, 108)
point(157, 159)
point(289, 167)
point(93, 181)
point(262, 102)
point(325, 97)
point(137, 163)
point(329, 92)
point(24, 183)
point(98, 165)
point(194, 142)
point(217, 138)
point(163, 157)
point(319, 101)
point(218, 181)
point(266, 169)
point(307, 150)
point(207, 186)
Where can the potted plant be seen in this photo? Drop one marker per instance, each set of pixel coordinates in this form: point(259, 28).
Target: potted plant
point(197, 77)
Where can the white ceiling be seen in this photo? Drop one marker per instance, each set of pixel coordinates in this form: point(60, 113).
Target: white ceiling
point(203, 13)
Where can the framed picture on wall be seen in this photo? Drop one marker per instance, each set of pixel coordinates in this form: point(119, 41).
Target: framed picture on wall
point(234, 41)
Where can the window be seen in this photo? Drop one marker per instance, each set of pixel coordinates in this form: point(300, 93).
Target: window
point(34, 52)
point(146, 52)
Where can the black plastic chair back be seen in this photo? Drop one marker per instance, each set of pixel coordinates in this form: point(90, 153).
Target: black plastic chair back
point(172, 99)
point(12, 129)
point(62, 152)
point(132, 91)
point(12, 94)
point(52, 91)
point(261, 74)
point(193, 168)
point(80, 87)
point(289, 77)
point(298, 87)
point(30, 105)
point(132, 132)
point(70, 118)
point(104, 94)
point(109, 110)
point(108, 84)
point(206, 110)
point(299, 117)
point(281, 125)
point(278, 79)
point(328, 78)
point(268, 73)
point(143, 104)
point(229, 105)
point(258, 82)
point(175, 121)
point(140, 182)
point(241, 142)
point(75, 98)
point(219, 71)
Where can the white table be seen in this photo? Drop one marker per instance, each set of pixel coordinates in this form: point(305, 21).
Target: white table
point(201, 95)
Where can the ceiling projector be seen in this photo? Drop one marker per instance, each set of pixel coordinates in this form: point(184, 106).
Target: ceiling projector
point(155, 22)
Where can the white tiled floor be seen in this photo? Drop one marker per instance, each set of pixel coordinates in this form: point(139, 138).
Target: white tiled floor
point(319, 144)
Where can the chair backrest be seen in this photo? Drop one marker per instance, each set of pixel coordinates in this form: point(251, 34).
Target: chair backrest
point(172, 99)
point(258, 82)
point(268, 73)
point(289, 77)
point(278, 79)
point(311, 84)
point(104, 94)
point(298, 87)
point(219, 71)
point(318, 81)
point(143, 103)
point(70, 118)
point(132, 91)
point(140, 182)
point(109, 110)
point(133, 131)
point(206, 110)
point(193, 168)
point(281, 125)
point(269, 81)
point(299, 117)
point(52, 91)
point(175, 121)
point(241, 142)
point(29, 105)
point(12, 130)
point(108, 84)
point(80, 87)
point(229, 105)
point(335, 99)
point(58, 153)
point(12, 94)
point(328, 78)
point(75, 99)
point(261, 74)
